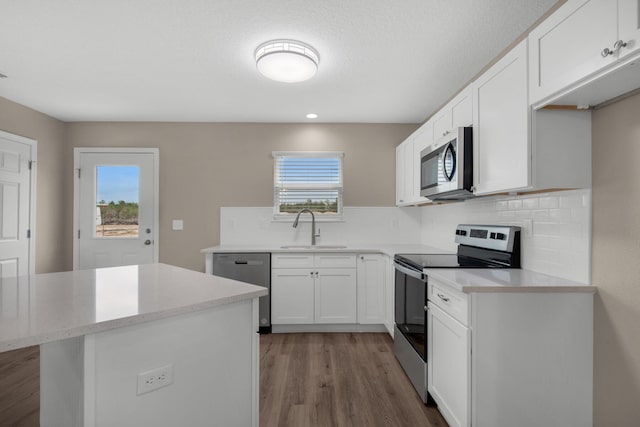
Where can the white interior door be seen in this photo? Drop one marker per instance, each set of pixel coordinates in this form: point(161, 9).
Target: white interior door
point(116, 207)
point(16, 155)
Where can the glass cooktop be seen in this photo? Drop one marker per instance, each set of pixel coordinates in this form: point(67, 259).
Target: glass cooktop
point(421, 261)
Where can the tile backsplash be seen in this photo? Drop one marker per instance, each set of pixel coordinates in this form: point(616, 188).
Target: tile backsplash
point(361, 225)
point(556, 228)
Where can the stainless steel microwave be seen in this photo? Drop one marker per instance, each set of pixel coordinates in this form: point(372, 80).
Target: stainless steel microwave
point(446, 167)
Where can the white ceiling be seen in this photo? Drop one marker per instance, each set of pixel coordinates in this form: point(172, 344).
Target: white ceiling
point(192, 60)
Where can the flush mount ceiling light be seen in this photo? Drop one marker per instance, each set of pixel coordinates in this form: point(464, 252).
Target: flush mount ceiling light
point(287, 61)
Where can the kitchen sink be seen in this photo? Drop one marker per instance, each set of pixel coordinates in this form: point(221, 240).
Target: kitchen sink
point(307, 247)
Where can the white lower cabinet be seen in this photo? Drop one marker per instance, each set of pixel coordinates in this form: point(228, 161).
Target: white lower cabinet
point(372, 273)
point(496, 358)
point(292, 295)
point(306, 289)
point(448, 365)
point(335, 295)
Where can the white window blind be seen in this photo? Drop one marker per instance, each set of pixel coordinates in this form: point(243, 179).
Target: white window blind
point(308, 180)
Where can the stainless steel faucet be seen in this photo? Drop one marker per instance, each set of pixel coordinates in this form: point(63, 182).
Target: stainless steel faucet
point(313, 225)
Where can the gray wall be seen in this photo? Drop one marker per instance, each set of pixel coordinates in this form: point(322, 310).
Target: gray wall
point(616, 262)
point(205, 166)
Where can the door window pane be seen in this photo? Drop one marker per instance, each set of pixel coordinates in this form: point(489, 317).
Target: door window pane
point(117, 195)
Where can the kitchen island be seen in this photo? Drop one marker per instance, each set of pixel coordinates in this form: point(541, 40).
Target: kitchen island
point(138, 345)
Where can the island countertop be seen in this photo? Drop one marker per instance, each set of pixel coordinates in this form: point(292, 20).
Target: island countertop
point(48, 307)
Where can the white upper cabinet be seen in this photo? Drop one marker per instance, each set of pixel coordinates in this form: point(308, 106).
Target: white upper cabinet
point(458, 112)
point(405, 193)
point(629, 26)
point(501, 149)
point(516, 149)
point(580, 41)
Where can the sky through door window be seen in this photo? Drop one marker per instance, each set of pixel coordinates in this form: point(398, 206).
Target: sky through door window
point(117, 194)
point(308, 180)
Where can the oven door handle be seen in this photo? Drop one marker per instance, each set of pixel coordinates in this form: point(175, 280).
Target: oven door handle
point(409, 272)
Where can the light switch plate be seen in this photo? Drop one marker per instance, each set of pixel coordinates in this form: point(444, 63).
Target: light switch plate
point(178, 224)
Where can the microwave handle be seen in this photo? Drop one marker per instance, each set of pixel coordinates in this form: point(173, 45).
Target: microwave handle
point(448, 176)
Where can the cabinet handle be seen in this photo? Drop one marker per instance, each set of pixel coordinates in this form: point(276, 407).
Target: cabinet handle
point(311, 274)
point(443, 298)
point(362, 258)
point(619, 45)
point(316, 274)
point(606, 52)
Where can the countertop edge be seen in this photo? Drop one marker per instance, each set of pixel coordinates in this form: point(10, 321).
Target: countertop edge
point(529, 289)
point(75, 332)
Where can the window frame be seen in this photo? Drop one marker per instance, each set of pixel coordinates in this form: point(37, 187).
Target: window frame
point(277, 186)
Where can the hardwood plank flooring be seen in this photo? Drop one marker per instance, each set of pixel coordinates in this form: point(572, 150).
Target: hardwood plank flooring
point(337, 379)
point(314, 380)
point(20, 387)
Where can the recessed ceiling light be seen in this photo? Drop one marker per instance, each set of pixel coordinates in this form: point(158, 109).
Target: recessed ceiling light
point(312, 116)
point(287, 61)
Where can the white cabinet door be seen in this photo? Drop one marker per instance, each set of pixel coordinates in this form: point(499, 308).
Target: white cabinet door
point(335, 295)
point(292, 294)
point(390, 294)
point(410, 192)
point(371, 289)
point(400, 174)
point(629, 26)
point(449, 366)
point(568, 45)
point(501, 136)
point(462, 108)
point(442, 123)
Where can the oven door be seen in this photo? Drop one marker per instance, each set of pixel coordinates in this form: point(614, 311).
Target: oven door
point(410, 308)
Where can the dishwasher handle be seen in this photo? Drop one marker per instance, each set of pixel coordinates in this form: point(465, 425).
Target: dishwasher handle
point(241, 262)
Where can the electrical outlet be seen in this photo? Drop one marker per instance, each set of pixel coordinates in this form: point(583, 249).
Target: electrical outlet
point(178, 224)
point(155, 379)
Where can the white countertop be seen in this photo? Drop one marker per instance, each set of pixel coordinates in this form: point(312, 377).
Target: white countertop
point(387, 249)
point(49, 307)
point(471, 280)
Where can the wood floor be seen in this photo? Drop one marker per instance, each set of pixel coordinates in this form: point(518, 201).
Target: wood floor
point(337, 380)
point(20, 387)
point(315, 380)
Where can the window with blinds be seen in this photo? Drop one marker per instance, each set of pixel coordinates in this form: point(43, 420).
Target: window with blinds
point(308, 180)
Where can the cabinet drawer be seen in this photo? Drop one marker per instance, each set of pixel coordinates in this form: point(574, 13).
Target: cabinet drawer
point(292, 261)
point(335, 260)
point(452, 302)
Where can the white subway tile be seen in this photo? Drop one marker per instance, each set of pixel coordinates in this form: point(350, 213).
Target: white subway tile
point(530, 203)
point(548, 202)
point(515, 204)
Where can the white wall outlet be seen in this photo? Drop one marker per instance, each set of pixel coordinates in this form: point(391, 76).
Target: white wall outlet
point(178, 224)
point(155, 379)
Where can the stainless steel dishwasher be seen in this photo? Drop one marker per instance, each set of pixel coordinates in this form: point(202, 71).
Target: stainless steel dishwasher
point(254, 268)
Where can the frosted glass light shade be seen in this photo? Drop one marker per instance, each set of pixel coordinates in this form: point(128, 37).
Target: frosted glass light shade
point(287, 61)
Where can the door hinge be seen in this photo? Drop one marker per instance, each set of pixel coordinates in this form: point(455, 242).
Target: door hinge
point(28, 234)
point(78, 234)
point(78, 173)
point(30, 164)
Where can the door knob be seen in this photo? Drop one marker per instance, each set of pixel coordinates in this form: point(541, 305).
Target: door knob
point(147, 242)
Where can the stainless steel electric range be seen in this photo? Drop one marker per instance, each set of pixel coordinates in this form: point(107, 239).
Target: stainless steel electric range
point(479, 246)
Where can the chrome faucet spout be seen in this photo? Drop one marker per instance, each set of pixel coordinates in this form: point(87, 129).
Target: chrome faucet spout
point(313, 224)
